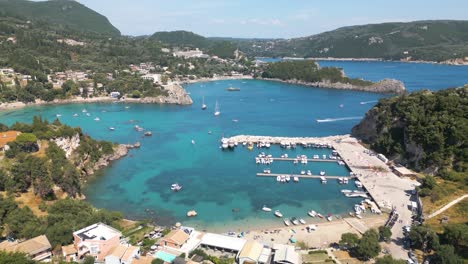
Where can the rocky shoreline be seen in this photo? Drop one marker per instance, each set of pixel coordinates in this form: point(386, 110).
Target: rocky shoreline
point(384, 86)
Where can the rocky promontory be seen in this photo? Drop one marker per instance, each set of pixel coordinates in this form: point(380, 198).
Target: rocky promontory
point(391, 86)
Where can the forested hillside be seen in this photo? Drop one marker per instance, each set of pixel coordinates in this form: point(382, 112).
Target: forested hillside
point(425, 130)
point(436, 40)
point(63, 13)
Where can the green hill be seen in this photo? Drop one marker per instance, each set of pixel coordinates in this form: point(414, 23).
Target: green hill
point(65, 13)
point(425, 130)
point(425, 40)
point(181, 38)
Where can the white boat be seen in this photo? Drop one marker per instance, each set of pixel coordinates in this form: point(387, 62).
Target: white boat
point(176, 187)
point(288, 178)
point(84, 111)
point(266, 209)
point(267, 145)
point(192, 213)
point(294, 221)
point(323, 179)
point(329, 218)
point(193, 142)
point(358, 184)
point(88, 114)
point(296, 179)
point(58, 115)
point(312, 213)
point(278, 213)
point(111, 128)
point(75, 115)
point(309, 172)
point(346, 191)
point(278, 178)
point(97, 119)
point(286, 222)
point(303, 172)
point(302, 221)
point(203, 107)
point(322, 173)
point(216, 111)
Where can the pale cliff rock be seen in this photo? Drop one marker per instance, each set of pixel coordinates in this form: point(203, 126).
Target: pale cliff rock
point(68, 144)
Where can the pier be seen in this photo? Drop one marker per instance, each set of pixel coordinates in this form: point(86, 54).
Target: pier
point(302, 176)
point(308, 160)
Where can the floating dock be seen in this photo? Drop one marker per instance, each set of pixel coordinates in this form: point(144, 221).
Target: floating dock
point(308, 160)
point(302, 176)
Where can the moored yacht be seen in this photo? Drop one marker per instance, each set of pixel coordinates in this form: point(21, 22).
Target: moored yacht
point(203, 107)
point(286, 222)
point(358, 184)
point(97, 119)
point(217, 112)
point(323, 179)
point(266, 209)
point(312, 213)
point(296, 179)
point(322, 173)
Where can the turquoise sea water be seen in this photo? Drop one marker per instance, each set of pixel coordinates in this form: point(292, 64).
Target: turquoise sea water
point(215, 182)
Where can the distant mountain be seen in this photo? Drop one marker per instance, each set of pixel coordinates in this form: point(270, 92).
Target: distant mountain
point(61, 12)
point(427, 40)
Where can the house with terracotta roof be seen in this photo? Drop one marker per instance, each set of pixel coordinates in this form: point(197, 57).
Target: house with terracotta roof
point(6, 137)
point(96, 240)
point(122, 254)
point(254, 252)
point(70, 253)
point(37, 248)
point(175, 239)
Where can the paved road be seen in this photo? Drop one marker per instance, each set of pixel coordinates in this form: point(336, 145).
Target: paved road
point(387, 189)
point(447, 206)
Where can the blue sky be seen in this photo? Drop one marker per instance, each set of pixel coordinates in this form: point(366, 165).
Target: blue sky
point(267, 18)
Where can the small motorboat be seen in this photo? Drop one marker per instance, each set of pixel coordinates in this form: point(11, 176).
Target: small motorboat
point(278, 213)
point(286, 222)
point(58, 115)
point(288, 178)
point(266, 209)
point(88, 114)
point(329, 218)
point(97, 119)
point(193, 142)
point(294, 221)
point(111, 128)
point(312, 213)
point(84, 111)
point(278, 178)
point(192, 213)
point(176, 187)
point(303, 172)
point(75, 115)
point(296, 179)
point(320, 215)
point(322, 173)
point(148, 133)
point(302, 221)
point(309, 173)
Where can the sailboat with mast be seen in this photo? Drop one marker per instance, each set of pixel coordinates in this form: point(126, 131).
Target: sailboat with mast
point(217, 112)
point(203, 106)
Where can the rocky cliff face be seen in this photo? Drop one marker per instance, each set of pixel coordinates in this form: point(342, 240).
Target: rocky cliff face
point(384, 86)
point(119, 152)
point(68, 144)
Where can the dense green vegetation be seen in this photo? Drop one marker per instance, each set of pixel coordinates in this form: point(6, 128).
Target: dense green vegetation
point(364, 248)
point(425, 130)
point(65, 13)
point(63, 218)
point(421, 40)
point(307, 71)
point(23, 169)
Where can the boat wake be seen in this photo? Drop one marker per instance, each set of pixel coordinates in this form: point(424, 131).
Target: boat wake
point(369, 102)
point(338, 119)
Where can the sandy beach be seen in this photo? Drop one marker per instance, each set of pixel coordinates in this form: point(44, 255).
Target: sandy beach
point(326, 232)
point(77, 100)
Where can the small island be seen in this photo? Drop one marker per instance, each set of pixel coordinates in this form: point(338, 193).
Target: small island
point(308, 72)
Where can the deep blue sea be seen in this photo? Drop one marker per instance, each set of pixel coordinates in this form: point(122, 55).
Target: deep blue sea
point(221, 185)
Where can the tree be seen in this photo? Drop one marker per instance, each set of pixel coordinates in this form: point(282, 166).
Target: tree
point(457, 236)
point(349, 240)
point(387, 259)
point(385, 233)
point(27, 142)
point(424, 238)
point(368, 246)
point(14, 258)
point(445, 254)
point(157, 261)
point(88, 260)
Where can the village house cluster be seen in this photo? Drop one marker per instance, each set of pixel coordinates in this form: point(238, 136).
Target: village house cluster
point(108, 246)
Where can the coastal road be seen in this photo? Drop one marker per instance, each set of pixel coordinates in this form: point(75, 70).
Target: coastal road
point(447, 206)
point(387, 189)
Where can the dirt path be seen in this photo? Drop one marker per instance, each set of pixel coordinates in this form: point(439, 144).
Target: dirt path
point(447, 206)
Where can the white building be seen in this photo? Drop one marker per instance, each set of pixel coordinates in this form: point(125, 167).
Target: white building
point(189, 54)
point(285, 254)
point(221, 242)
